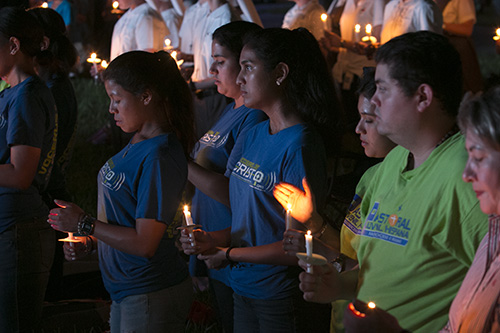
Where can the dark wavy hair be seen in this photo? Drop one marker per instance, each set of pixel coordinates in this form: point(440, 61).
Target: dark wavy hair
point(138, 71)
point(367, 86)
point(16, 22)
point(422, 57)
point(232, 35)
point(61, 55)
point(308, 89)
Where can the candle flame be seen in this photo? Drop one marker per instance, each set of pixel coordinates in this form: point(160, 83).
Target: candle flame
point(289, 206)
point(357, 28)
point(167, 42)
point(368, 28)
point(104, 64)
point(186, 208)
point(498, 32)
point(115, 5)
point(324, 17)
point(93, 56)
point(174, 55)
point(372, 305)
point(309, 232)
point(45, 5)
point(497, 37)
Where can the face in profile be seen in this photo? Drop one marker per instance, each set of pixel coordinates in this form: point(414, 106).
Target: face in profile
point(258, 87)
point(374, 144)
point(225, 69)
point(483, 171)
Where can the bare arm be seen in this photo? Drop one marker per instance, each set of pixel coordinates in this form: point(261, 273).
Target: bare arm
point(143, 240)
point(460, 29)
point(21, 170)
point(213, 184)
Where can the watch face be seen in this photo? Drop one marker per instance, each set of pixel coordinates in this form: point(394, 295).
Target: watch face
point(338, 266)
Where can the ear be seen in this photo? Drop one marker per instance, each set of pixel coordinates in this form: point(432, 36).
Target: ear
point(281, 72)
point(14, 45)
point(146, 97)
point(45, 43)
point(424, 97)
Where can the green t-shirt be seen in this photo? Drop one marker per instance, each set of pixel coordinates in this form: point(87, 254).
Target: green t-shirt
point(3, 85)
point(351, 228)
point(420, 232)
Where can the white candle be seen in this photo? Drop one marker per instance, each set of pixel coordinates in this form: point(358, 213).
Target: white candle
point(289, 217)
point(324, 18)
point(357, 30)
point(309, 243)
point(187, 216)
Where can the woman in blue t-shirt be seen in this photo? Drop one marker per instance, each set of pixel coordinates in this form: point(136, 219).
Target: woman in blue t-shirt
point(140, 189)
point(28, 136)
point(211, 154)
point(284, 74)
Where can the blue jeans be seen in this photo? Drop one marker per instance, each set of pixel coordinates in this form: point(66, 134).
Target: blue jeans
point(165, 310)
point(292, 314)
point(8, 285)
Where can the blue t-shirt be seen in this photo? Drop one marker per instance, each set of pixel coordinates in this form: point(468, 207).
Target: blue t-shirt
point(144, 180)
point(27, 117)
point(212, 152)
point(258, 218)
point(64, 9)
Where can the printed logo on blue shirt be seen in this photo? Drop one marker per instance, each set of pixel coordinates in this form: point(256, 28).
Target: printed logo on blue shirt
point(388, 227)
point(110, 179)
point(3, 121)
point(249, 173)
point(213, 139)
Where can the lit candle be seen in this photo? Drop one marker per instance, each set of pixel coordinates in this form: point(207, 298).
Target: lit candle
point(309, 243)
point(168, 47)
point(324, 18)
point(115, 9)
point(497, 37)
point(189, 222)
point(369, 37)
point(187, 216)
point(357, 30)
point(104, 64)
point(115, 4)
point(94, 60)
point(368, 29)
point(289, 217)
point(372, 305)
point(45, 5)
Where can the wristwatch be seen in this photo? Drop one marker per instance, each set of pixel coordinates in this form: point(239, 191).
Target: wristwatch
point(86, 225)
point(339, 263)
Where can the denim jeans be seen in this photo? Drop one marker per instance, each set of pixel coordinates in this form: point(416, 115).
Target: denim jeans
point(165, 310)
point(292, 314)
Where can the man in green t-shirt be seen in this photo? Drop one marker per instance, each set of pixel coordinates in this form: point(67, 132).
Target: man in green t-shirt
point(421, 224)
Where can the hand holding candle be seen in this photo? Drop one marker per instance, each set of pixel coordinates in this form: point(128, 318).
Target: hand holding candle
point(189, 224)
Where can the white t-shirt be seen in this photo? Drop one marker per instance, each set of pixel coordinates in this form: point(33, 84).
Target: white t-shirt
point(459, 11)
point(402, 16)
point(307, 16)
point(141, 28)
point(202, 43)
point(363, 12)
point(173, 22)
point(193, 18)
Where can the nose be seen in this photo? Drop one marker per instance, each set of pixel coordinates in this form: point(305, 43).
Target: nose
point(360, 127)
point(239, 79)
point(375, 100)
point(112, 108)
point(468, 175)
point(213, 68)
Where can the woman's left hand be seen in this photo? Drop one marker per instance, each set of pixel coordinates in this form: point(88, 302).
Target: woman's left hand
point(215, 259)
point(301, 202)
point(66, 217)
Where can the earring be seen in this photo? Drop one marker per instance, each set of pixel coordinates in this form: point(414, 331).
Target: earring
point(278, 82)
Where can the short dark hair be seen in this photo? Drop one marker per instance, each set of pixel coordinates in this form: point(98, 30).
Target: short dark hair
point(481, 116)
point(422, 57)
point(232, 35)
point(16, 22)
point(138, 71)
point(367, 86)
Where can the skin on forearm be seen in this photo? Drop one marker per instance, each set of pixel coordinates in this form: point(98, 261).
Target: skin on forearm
point(212, 184)
point(270, 254)
point(460, 29)
point(141, 241)
point(21, 170)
